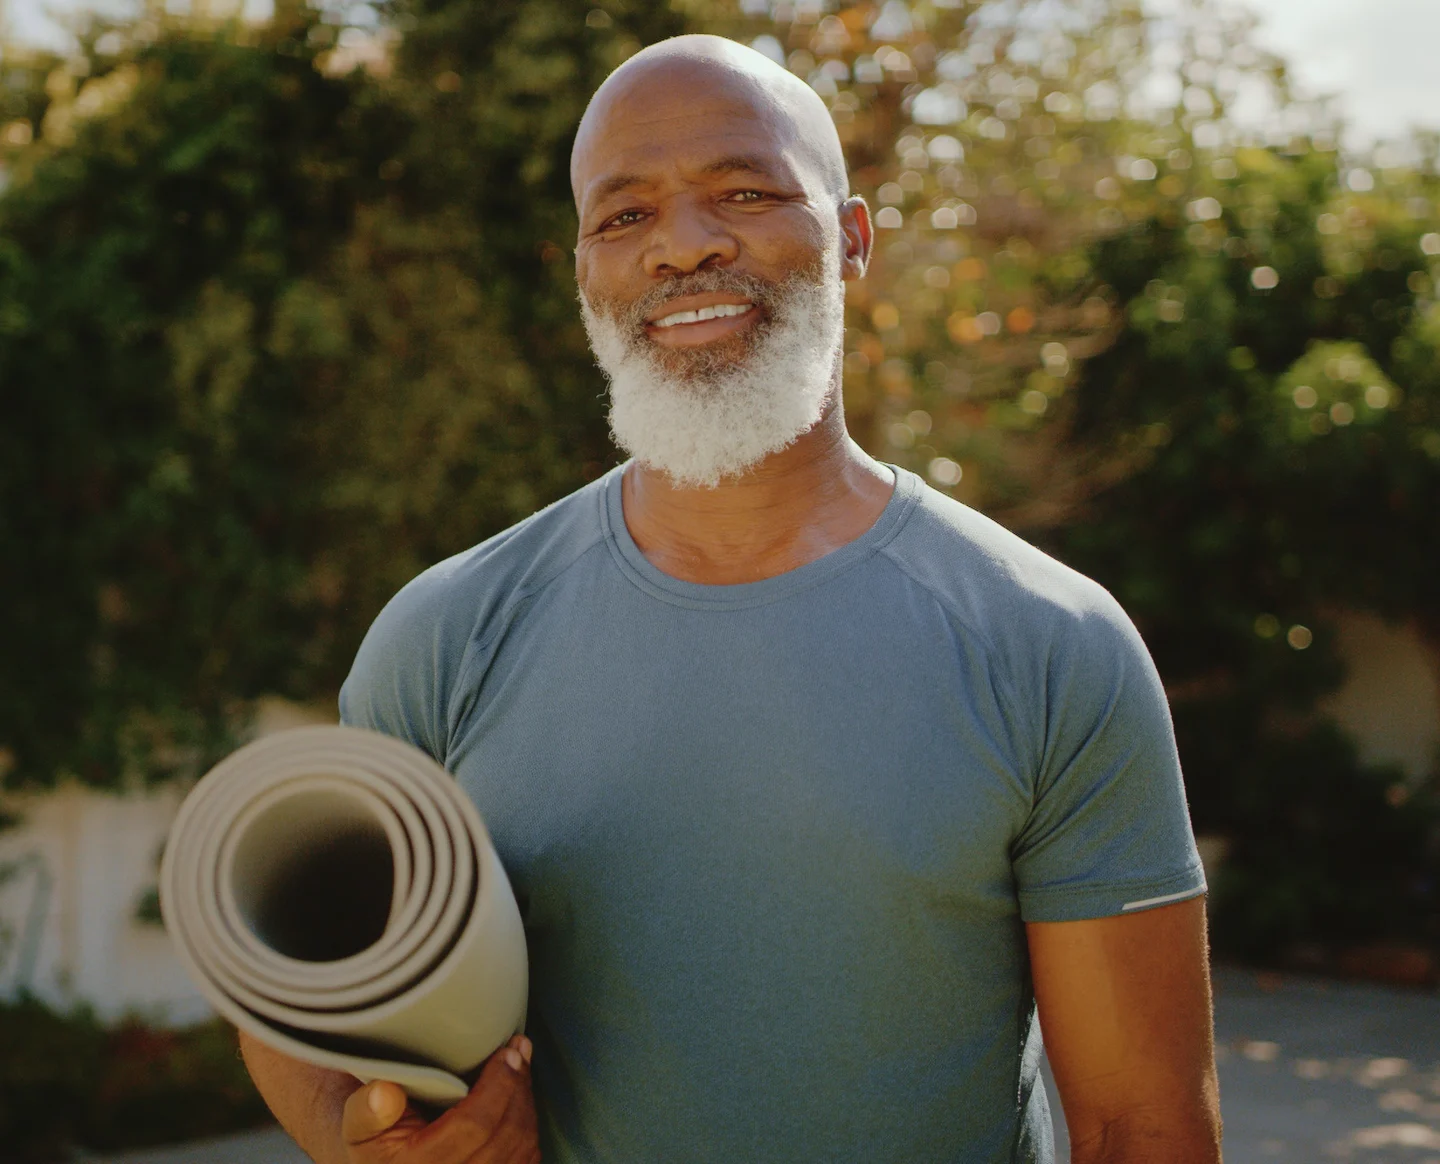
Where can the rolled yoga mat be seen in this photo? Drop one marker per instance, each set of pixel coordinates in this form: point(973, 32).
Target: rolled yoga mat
point(334, 893)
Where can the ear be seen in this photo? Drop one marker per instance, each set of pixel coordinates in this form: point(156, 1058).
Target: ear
point(858, 237)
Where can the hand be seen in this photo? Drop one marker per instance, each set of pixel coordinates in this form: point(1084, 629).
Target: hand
point(494, 1124)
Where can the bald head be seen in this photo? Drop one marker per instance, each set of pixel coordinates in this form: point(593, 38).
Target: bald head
point(744, 85)
point(716, 234)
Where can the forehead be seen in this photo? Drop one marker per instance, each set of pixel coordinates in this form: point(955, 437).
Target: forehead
point(669, 119)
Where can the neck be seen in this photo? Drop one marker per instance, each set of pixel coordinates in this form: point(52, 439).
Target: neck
point(793, 507)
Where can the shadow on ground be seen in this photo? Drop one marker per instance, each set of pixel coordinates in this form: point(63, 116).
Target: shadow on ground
point(1313, 1071)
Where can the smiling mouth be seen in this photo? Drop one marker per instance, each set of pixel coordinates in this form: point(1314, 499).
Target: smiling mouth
point(701, 315)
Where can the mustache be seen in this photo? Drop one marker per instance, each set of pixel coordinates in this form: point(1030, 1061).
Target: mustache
point(767, 295)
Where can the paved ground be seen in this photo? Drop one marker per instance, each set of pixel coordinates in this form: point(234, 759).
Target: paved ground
point(1310, 1072)
point(1315, 1071)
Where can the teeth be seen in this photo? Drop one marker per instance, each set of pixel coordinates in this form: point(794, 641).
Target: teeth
point(718, 311)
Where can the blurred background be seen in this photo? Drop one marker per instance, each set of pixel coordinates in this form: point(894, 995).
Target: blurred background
point(287, 313)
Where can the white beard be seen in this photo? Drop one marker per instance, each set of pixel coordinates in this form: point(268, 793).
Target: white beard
point(713, 423)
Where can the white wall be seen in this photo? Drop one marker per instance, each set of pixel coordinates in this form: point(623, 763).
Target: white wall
point(1390, 703)
point(84, 861)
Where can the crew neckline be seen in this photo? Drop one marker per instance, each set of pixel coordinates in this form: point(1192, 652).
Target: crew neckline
point(704, 595)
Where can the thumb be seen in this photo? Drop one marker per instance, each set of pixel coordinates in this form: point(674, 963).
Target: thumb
point(375, 1108)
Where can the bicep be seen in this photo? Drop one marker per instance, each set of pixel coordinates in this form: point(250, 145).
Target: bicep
point(1125, 1011)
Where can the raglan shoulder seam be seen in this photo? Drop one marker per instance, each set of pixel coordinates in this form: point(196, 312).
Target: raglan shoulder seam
point(501, 621)
point(1005, 687)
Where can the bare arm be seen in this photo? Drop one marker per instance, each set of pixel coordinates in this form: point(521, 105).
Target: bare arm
point(1125, 1009)
point(337, 1120)
point(308, 1101)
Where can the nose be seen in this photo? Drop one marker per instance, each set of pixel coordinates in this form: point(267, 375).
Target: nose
point(690, 238)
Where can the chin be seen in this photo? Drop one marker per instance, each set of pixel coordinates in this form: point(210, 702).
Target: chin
point(700, 364)
point(710, 412)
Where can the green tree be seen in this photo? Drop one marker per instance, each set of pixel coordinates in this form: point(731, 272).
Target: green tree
point(155, 530)
point(1193, 359)
point(1274, 384)
point(461, 392)
point(279, 338)
point(280, 332)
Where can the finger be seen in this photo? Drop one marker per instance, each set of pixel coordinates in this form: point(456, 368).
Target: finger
point(516, 1139)
point(474, 1121)
point(373, 1110)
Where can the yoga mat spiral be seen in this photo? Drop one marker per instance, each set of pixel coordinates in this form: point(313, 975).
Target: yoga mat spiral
point(334, 894)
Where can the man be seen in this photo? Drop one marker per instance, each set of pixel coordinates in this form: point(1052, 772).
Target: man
point(810, 780)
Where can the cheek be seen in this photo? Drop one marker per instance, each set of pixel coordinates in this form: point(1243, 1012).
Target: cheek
point(787, 245)
point(594, 278)
point(586, 267)
point(605, 271)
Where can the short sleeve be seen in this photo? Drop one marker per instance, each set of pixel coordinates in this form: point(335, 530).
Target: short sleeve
point(1109, 832)
point(400, 681)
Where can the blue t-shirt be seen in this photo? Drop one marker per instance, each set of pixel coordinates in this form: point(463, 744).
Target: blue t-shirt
point(774, 843)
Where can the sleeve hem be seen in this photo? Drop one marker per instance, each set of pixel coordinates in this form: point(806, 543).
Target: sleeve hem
point(1084, 902)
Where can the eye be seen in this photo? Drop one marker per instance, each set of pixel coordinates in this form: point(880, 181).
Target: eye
point(624, 218)
point(749, 197)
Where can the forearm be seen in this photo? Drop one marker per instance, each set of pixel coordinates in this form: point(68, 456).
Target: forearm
point(1175, 1138)
point(1125, 1008)
point(308, 1101)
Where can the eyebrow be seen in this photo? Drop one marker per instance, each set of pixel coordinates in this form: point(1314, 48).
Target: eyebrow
point(735, 164)
point(740, 164)
point(616, 183)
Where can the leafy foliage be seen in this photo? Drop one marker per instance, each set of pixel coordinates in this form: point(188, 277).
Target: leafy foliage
point(157, 530)
point(280, 338)
point(284, 330)
point(66, 1081)
point(1288, 470)
point(1196, 363)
